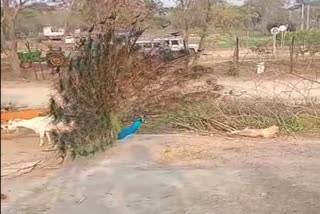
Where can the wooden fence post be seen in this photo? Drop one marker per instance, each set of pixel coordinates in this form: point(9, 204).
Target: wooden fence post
point(236, 57)
point(291, 54)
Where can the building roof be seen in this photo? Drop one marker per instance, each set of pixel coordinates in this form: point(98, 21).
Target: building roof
point(298, 3)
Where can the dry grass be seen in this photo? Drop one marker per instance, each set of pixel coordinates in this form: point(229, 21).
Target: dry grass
point(187, 152)
point(295, 110)
point(219, 116)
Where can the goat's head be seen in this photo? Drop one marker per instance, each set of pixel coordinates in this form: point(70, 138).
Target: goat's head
point(4, 126)
point(13, 124)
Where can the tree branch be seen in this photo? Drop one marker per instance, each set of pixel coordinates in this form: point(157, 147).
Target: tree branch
point(23, 3)
point(204, 32)
point(305, 78)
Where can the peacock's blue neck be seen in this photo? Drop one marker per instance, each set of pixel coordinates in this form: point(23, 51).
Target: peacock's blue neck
point(130, 129)
point(136, 124)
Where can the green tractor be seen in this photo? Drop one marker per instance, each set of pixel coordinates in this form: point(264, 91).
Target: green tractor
point(27, 58)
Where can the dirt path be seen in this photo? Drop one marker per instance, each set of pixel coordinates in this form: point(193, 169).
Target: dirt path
point(28, 94)
point(181, 174)
point(36, 95)
point(290, 89)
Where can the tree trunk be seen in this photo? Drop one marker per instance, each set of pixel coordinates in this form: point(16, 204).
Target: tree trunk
point(186, 35)
point(265, 16)
point(13, 49)
point(198, 53)
point(204, 34)
point(10, 37)
point(186, 42)
point(185, 6)
point(13, 57)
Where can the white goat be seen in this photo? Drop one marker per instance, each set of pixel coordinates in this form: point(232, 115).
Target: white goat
point(5, 127)
point(44, 126)
point(40, 125)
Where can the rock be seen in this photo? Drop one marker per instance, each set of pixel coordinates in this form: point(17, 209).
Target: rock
point(269, 132)
point(3, 197)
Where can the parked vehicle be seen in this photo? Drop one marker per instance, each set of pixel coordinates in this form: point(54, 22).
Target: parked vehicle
point(53, 33)
point(175, 44)
point(28, 57)
point(69, 39)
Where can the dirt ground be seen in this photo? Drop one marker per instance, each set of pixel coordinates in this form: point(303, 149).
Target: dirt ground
point(166, 173)
point(35, 94)
point(274, 83)
point(27, 94)
point(171, 174)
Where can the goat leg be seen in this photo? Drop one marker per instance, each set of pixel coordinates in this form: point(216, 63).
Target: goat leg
point(16, 131)
point(41, 139)
point(49, 138)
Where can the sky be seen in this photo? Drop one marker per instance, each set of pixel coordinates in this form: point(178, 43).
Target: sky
point(170, 3)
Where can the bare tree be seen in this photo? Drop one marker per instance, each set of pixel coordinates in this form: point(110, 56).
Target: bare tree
point(197, 14)
point(185, 7)
point(95, 11)
point(204, 32)
point(11, 9)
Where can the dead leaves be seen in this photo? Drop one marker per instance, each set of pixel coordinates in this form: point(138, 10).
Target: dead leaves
point(187, 152)
point(19, 169)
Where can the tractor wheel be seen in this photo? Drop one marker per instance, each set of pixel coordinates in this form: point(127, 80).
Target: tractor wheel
point(56, 60)
point(25, 64)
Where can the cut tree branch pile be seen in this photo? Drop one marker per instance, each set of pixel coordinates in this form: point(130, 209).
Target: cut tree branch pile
point(19, 169)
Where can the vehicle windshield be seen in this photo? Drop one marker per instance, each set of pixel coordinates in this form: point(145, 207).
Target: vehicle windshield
point(157, 44)
point(174, 42)
point(147, 45)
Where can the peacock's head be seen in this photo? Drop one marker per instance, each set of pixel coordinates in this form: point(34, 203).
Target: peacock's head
point(141, 119)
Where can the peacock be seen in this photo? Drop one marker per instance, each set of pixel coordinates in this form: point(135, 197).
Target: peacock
point(126, 131)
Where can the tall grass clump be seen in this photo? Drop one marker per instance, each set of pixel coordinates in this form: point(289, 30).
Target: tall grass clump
point(87, 93)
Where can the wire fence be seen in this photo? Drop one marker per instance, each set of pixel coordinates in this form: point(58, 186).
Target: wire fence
point(293, 55)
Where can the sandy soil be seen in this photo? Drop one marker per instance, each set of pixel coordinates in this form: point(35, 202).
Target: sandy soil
point(26, 94)
point(293, 89)
point(19, 154)
point(36, 94)
point(274, 83)
point(232, 175)
point(165, 173)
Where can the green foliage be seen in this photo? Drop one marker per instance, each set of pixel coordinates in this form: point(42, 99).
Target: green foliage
point(32, 19)
point(228, 41)
point(257, 41)
point(227, 16)
point(270, 11)
point(305, 37)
